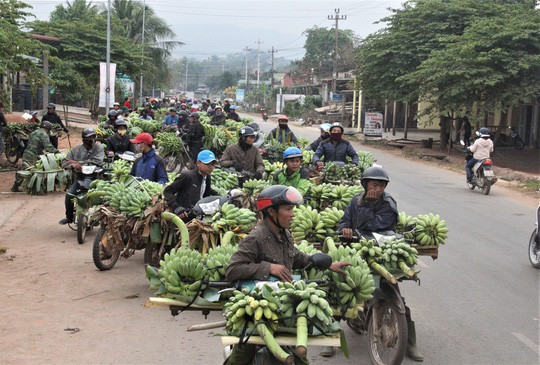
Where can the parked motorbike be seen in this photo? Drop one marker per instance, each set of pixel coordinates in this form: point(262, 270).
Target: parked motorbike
point(483, 175)
point(514, 140)
point(14, 147)
point(534, 243)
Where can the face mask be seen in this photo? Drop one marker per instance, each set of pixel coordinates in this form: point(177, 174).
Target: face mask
point(336, 136)
point(139, 148)
point(121, 132)
point(283, 126)
point(89, 143)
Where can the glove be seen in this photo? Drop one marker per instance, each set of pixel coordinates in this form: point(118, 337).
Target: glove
point(179, 210)
point(258, 175)
point(238, 166)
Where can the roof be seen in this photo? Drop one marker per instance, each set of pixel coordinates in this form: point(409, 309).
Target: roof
point(45, 37)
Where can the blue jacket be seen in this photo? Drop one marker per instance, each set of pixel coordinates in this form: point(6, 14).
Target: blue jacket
point(378, 216)
point(335, 152)
point(150, 167)
point(170, 120)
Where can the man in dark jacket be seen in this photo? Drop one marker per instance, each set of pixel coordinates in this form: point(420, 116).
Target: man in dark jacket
point(244, 155)
point(149, 166)
point(120, 142)
point(183, 120)
point(194, 135)
point(283, 133)
point(232, 114)
point(227, 106)
point(219, 116)
point(376, 211)
point(191, 186)
point(335, 148)
point(325, 134)
point(149, 112)
point(52, 117)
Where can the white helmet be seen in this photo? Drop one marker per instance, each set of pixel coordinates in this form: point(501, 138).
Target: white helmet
point(325, 127)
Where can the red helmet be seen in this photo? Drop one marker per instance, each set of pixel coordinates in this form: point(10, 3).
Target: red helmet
point(276, 195)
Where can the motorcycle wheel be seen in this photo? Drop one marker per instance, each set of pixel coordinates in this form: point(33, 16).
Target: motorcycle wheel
point(519, 144)
point(486, 186)
point(104, 258)
point(82, 223)
point(11, 152)
point(388, 343)
point(534, 250)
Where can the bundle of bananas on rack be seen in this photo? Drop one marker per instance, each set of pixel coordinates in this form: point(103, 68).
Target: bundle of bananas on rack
point(331, 218)
point(232, 218)
point(342, 195)
point(368, 249)
point(307, 225)
point(253, 187)
point(396, 253)
point(151, 187)
point(319, 195)
point(356, 286)
point(251, 309)
point(121, 170)
point(307, 156)
point(168, 143)
point(405, 225)
point(271, 168)
point(336, 173)
point(313, 273)
point(148, 126)
point(224, 180)
point(217, 260)
point(430, 230)
point(365, 160)
point(182, 272)
point(216, 138)
point(126, 199)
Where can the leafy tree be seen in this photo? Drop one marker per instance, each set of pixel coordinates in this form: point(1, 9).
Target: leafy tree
point(75, 10)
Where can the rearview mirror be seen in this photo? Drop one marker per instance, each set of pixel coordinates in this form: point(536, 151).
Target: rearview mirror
point(321, 261)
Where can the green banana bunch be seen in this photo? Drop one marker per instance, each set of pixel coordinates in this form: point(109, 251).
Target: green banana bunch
point(397, 253)
point(168, 143)
point(232, 218)
point(148, 126)
point(368, 249)
point(253, 187)
point(331, 218)
point(405, 225)
point(182, 272)
point(354, 288)
point(430, 230)
point(152, 188)
point(335, 173)
point(121, 170)
point(128, 200)
point(271, 168)
point(313, 273)
point(224, 180)
point(172, 176)
point(319, 195)
point(342, 195)
point(217, 260)
point(307, 225)
point(365, 160)
point(134, 132)
point(215, 138)
point(307, 157)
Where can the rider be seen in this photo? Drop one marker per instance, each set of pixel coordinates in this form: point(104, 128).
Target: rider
point(325, 134)
point(259, 136)
point(38, 143)
point(52, 117)
point(145, 115)
point(171, 119)
point(232, 114)
point(149, 166)
point(244, 155)
point(191, 186)
point(194, 135)
point(283, 133)
point(335, 148)
point(293, 174)
point(376, 211)
point(149, 112)
point(183, 119)
point(269, 250)
point(227, 106)
point(116, 106)
point(481, 150)
point(219, 117)
point(89, 152)
point(112, 117)
point(119, 142)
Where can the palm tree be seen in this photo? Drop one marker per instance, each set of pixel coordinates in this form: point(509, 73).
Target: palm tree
point(75, 10)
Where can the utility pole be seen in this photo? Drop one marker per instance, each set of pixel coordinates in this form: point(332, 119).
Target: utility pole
point(108, 60)
point(187, 69)
point(258, 61)
point(246, 62)
point(272, 69)
point(142, 52)
point(337, 18)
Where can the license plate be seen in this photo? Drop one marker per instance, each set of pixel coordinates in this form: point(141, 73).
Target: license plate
point(488, 173)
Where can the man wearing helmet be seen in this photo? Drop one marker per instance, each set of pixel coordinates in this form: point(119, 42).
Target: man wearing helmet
point(183, 119)
point(376, 211)
point(232, 114)
point(325, 134)
point(112, 117)
point(293, 174)
point(89, 152)
point(244, 155)
point(119, 142)
point(219, 116)
point(194, 135)
point(481, 150)
point(149, 112)
point(38, 144)
point(282, 133)
point(52, 117)
point(269, 250)
point(335, 148)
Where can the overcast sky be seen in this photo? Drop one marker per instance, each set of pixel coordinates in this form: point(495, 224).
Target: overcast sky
point(221, 27)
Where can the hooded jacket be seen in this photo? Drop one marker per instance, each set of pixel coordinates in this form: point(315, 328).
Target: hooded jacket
point(366, 217)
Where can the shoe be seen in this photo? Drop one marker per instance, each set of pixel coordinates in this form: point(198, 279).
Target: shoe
point(65, 221)
point(15, 189)
point(412, 351)
point(327, 351)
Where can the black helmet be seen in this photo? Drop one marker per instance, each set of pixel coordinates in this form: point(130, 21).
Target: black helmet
point(246, 131)
point(276, 195)
point(88, 132)
point(374, 173)
point(146, 103)
point(182, 112)
point(255, 126)
point(112, 113)
point(120, 122)
point(194, 115)
point(47, 125)
point(51, 106)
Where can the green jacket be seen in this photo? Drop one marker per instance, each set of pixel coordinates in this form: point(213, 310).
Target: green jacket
point(38, 143)
point(299, 179)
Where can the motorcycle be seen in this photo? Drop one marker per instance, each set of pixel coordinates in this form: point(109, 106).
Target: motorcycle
point(483, 175)
point(514, 140)
point(264, 114)
point(15, 145)
point(180, 160)
point(534, 243)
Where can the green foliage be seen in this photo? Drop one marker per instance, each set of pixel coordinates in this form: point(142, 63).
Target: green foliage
point(75, 10)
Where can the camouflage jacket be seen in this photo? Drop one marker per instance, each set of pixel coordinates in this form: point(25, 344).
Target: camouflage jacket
point(38, 144)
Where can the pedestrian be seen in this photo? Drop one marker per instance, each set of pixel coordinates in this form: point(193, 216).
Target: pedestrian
point(52, 116)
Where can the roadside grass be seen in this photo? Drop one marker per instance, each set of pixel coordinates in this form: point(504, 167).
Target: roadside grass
point(532, 185)
point(3, 250)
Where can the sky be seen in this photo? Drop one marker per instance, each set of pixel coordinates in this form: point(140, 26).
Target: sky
point(224, 27)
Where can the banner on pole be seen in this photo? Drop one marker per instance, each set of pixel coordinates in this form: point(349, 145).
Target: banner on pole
point(127, 84)
point(239, 95)
point(373, 124)
point(103, 84)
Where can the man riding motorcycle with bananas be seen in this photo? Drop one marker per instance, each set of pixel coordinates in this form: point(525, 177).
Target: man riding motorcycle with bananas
point(244, 155)
point(325, 134)
point(269, 250)
point(293, 174)
point(335, 148)
point(119, 142)
point(375, 210)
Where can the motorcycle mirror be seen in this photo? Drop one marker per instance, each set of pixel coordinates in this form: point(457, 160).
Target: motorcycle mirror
point(321, 261)
point(88, 169)
point(461, 142)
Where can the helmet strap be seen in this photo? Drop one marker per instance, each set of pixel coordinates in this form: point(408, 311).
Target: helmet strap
point(275, 222)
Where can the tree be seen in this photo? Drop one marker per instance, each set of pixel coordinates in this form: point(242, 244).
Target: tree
point(75, 10)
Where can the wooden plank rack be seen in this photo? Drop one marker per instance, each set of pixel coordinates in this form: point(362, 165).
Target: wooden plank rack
point(287, 340)
point(432, 251)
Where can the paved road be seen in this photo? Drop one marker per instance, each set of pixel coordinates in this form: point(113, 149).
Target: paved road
point(478, 303)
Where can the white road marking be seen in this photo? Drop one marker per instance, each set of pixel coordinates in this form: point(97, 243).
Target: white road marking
point(527, 342)
point(423, 264)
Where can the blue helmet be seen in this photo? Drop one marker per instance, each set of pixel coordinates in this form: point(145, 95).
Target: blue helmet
point(292, 152)
point(233, 107)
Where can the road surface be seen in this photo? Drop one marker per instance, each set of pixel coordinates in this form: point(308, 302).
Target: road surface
point(477, 304)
